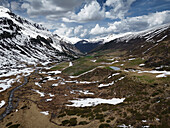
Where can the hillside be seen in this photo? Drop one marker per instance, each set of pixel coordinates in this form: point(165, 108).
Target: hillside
point(152, 44)
point(26, 43)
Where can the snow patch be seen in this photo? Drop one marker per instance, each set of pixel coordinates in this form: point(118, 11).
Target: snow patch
point(36, 83)
point(86, 102)
point(70, 64)
point(2, 103)
point(132, 58)
point(48, 100)
point(55, 85)
point(41, 93)
point(141, 65)
point(45, 113)
point(55, 72)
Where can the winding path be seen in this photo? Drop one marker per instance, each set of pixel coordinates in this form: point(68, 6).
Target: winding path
point(10, 107)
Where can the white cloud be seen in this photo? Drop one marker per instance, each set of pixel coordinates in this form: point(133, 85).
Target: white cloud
point(15, 6)
point(77, 31)
point(90, 12)
point(133, 24)
point(98, 30)
point(4, 3)
point(52, 9)
point(119, 8)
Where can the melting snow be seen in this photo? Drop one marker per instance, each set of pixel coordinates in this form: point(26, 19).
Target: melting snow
point(141, 65)
point(48, 100)
point(55, 72)
point(5, 84)
point(109, 84)
point(70, 64)
point(51, 95)
point(14, 72)
point(85, 92)
point(50, 78)
point(41, 93)
point(36, 83)
point(124, 126)
point(113, 75)
point(94, 101)
point(2, 103)
point(106, 85)
point(122, 65)
point(162, 73)
point(144, 121)
point(93, 61)
point(132, 58)
point(55, 85)
point(45, 113)
point(162, 38)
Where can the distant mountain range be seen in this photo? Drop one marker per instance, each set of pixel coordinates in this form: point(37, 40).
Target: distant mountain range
point(26, 43)
point(128, 41)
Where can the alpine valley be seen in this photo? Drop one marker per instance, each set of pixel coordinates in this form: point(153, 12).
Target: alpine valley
point(115, 81)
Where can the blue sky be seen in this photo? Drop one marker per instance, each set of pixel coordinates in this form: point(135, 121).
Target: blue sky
point(92, 18)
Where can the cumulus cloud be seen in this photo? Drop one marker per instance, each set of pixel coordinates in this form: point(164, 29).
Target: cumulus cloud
point(133, 24)
point(119, 8)
point(15, 6)
point(77, 31)
point(50, 8)
point(5, 3)
point(90, 12)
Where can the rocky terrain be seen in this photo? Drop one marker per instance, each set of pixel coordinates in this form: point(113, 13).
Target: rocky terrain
point(25, 43)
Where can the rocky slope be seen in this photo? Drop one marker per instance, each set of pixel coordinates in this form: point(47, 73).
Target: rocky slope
point(26, 43)
point(153, 44)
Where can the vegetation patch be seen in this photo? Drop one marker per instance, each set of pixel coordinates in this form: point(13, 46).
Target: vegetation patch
point(60, 66)
point(14, 126)
point(104, 126)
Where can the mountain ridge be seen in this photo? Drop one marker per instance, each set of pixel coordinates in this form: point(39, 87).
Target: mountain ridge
point(23, 42)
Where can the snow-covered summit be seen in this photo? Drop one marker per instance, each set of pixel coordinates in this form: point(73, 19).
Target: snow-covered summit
point(3, 9)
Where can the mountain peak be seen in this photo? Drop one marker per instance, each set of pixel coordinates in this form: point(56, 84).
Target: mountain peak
point(3, 9)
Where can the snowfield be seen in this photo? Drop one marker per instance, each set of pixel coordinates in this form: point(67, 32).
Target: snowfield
point(7, 83)
point(87, 102)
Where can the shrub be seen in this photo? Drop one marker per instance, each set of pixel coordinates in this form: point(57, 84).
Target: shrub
point(71, 112)
point(73, 121)
point(104, 126)
point(14, 126)
point(65, 122)
point(62, 115)
point(99, 116)
point(8, 124)
point(108, 121)
point(83, 123)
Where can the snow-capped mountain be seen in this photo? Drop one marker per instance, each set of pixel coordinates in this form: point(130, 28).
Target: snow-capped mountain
point(153, 44)
point(148, 35)
point(23, 42)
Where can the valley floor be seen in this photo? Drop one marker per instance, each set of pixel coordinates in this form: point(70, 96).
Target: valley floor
point(100, 90)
